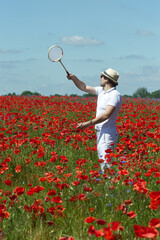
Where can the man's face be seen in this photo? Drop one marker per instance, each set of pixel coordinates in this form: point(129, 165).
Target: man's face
point(103, 80)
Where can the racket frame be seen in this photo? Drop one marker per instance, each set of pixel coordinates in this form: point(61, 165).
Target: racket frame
point(51, 49)
point(59, 59)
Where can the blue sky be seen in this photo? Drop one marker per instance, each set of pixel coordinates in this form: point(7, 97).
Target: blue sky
point(94, 35)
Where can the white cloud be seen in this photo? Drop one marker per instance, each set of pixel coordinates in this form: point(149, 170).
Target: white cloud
point(80, 41)
point(152, 72)
point(147, 76)
point(13, 63)
point(12, 51)
point(133, 56)
point(93, 60)
point(145, 33)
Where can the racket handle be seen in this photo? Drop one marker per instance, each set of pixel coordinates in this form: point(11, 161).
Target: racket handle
point(67, 72)
point(64, 68)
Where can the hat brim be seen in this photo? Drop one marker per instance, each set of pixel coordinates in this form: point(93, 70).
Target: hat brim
point(110, 78)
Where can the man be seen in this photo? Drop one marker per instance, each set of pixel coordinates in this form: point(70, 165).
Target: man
point(108, 106)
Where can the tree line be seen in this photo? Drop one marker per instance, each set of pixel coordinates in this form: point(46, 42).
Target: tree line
point(143, 93)
point(140, 92)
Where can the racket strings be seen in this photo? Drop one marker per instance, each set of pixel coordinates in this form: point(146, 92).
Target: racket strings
point(55, 53)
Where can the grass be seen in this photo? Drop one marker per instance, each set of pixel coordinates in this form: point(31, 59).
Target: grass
point(56, 169)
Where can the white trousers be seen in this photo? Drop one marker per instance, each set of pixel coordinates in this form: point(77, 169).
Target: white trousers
point(105, 140)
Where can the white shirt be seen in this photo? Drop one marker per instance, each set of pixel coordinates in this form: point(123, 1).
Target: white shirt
point(111, 97)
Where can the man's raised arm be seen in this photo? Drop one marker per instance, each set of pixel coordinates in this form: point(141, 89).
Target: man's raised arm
point(81, 85)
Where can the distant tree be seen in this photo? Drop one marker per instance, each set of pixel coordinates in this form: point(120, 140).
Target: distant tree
point(29, 93)
point(12, 94)
point(142, 93)
point(57, 95)
point(88, 95)
point(36, 94)
point(155, 94)
point(127, 96)
point(74, 95)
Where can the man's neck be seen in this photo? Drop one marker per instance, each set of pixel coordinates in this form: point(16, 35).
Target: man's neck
point(107, 87)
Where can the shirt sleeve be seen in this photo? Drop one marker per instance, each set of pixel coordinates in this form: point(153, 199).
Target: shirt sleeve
point(98, 90)
point(114, 100)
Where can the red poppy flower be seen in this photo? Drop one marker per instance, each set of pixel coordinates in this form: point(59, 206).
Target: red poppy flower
point(115, 226)
point(81, 196)
point(157, 174)
point(51, 193)
point(83, 177)
point(66, 238)
point(100, 160)
point(154, 195)
point(91, 229)
point(57, 199)
point(140, 186)
point(63, 159)
point(27, 161)
point(108, 234)
point(7, 193)
point(145, 232)
point(50, 223)
point(91, 209)
point(155, 222)
point(36, 189)
point(131, 214)
point(86, 188)
point(8, 182)
point(4, 214)
point(12, 197)
point(154, 204)
point(101, 222)
point(123, 172)
point(128, 202)
point(99, 233)
point(18, 168)
point(76, 182)
point(121, 207)
point(155, 199)
point(148, 174)
point(109, 150)
point(19, 190)
point(89, 219)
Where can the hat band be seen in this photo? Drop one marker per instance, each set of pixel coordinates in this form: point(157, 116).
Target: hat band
point(110, 76)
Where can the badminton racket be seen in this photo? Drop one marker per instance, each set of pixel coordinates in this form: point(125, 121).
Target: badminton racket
point(55, 54)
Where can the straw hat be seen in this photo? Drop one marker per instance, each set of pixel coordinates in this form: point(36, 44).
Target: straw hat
point(112, 75)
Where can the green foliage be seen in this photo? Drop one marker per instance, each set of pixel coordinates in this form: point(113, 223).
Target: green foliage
point(155, 94)
point(88, 95)
point(24, 93)
point(12, 94)
point(29, 93)
point(127, 96)
point(73, 95)
point(142, 93)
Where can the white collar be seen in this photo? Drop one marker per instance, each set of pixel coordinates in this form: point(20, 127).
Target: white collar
point(111, 89)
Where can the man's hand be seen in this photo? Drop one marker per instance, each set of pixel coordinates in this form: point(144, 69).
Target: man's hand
point(84, 125)
point(70, 76)
point(81, 85)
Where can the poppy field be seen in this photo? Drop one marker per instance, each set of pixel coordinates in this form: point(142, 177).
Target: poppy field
point(51, 186)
